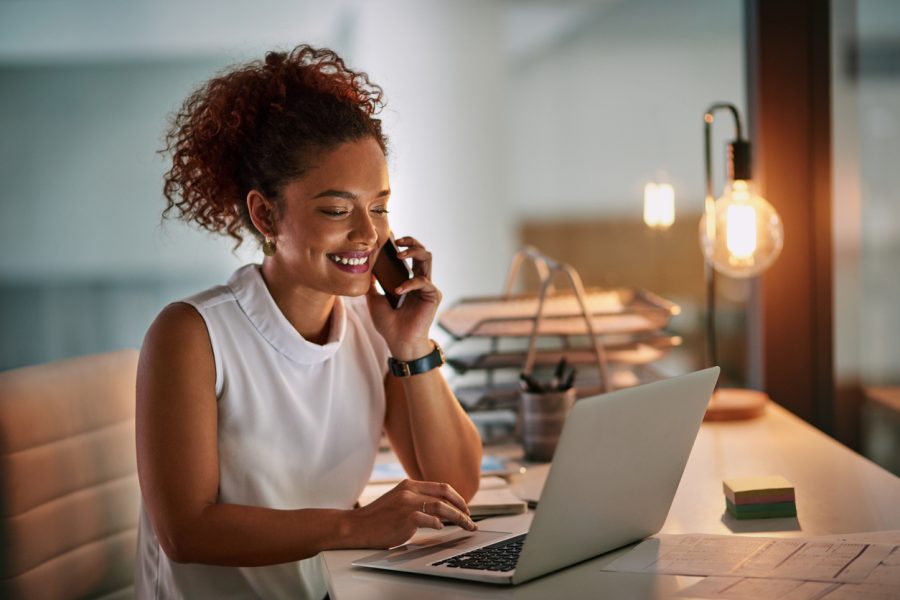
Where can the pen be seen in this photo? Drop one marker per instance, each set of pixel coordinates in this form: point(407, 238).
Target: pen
point(529, 384)
point(557, 374)
point(570, 380)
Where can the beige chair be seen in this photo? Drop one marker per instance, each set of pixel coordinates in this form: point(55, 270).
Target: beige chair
point(69, 496)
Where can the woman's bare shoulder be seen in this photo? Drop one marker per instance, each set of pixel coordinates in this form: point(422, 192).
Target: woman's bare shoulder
point(177, 320)
point(177, 342)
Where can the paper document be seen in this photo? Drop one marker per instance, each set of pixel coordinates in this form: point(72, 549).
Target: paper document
point(752, 589)
point(745, 567)
point(891, 537)
point(393, 472)
point(786, 589)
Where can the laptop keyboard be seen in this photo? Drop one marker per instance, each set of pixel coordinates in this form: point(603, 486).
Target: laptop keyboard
point(501, 556)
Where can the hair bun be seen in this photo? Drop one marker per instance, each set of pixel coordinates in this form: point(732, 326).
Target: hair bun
point(275, 59)
point(259, 125)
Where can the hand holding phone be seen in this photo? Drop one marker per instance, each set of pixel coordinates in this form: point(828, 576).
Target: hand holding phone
point(391, 271)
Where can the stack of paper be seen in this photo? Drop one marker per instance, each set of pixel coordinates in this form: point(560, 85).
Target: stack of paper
point(495, 498)
point(759, 497)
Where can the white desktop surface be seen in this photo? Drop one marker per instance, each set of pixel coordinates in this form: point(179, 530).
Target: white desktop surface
point(837, 491)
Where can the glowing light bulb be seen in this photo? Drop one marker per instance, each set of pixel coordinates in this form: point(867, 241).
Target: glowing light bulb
point(659, 205)
point(747, 234)
point(740, 238)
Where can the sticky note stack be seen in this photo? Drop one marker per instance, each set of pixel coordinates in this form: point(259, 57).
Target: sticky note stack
point(759, 497)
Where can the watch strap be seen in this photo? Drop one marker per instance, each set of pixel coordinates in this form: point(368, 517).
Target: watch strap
point(432, 360)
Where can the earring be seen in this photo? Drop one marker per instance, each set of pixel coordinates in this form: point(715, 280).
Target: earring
point(268, 247)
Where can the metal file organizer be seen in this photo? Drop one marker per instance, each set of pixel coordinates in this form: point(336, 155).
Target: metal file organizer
point(604, 332)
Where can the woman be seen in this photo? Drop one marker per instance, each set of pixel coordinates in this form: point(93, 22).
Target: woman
point(260, 403)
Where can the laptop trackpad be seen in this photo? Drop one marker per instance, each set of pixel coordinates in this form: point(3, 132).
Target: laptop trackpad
point(433, 548)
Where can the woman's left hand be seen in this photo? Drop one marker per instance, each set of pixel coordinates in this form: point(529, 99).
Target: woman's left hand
point(406, 329)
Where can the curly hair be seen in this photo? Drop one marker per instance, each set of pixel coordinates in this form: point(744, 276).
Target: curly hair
point(258, 126)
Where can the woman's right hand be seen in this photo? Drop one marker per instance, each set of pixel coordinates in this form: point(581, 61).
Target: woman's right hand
point(394, 517)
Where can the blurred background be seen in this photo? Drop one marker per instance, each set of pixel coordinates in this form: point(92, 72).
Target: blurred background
point(501, 116)
point(510, 122)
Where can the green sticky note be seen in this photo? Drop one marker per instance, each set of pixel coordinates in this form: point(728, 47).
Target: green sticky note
point(761, 511)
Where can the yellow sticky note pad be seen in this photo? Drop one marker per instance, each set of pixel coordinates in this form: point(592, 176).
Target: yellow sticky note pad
point(771, 488)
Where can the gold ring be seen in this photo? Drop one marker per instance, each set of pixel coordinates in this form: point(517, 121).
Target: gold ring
point(423, 508)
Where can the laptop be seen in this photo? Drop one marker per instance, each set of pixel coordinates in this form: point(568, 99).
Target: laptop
point(614, 474)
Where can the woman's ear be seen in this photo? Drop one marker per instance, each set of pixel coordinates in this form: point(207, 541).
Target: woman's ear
point(262, 213)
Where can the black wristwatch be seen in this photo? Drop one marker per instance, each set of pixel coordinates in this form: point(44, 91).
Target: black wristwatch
point(434, 359)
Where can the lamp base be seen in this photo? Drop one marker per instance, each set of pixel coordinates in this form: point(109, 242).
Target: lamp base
point(735, 404)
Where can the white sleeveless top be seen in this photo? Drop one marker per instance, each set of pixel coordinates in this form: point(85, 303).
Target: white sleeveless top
point(299, 426)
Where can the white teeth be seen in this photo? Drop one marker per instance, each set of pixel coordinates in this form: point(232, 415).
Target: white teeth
point(350, 261)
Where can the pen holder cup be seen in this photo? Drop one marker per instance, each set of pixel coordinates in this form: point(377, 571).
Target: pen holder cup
point(541, 419)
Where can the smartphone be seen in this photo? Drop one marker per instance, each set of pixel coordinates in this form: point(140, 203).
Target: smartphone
point(391, 271)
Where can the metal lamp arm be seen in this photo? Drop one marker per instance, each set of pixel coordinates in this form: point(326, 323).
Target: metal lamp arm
point(739, 165)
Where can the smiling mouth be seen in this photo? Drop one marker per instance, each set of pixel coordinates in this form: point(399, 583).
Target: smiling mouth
point(351, 260)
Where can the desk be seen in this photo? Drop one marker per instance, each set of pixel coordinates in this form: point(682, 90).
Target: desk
point(838, 491)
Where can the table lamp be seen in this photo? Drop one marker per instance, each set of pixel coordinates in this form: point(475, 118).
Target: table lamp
point(741, 235)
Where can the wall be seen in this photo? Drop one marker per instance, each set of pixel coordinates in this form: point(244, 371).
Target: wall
point(618, 101)
point(444, 75)
point(85, 263)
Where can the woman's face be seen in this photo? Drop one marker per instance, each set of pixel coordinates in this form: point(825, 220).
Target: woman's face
point(334, 220)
